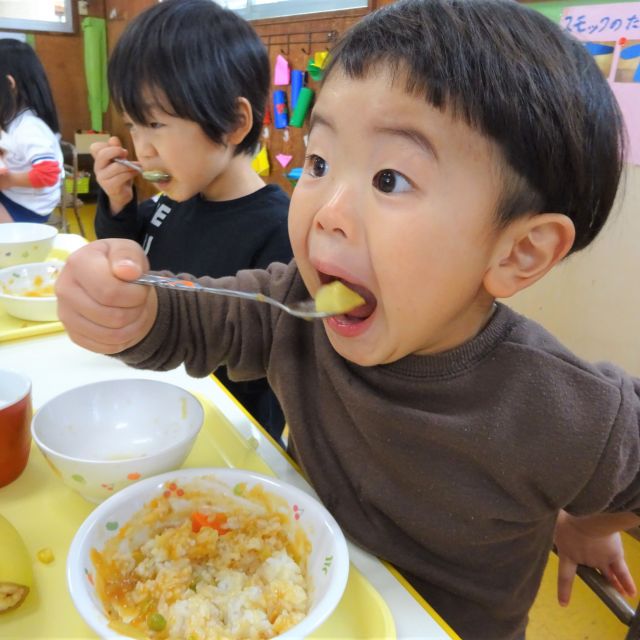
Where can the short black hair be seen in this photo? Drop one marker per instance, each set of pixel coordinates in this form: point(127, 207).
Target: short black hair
point(514, 76)
point(200, 58)
point(32, 91)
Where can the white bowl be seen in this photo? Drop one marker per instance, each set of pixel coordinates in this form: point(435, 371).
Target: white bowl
point(328, 563)
point(26, 290)
point(101, 437)
point(23, 242)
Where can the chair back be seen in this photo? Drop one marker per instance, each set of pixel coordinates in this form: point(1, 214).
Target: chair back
point(68, 197)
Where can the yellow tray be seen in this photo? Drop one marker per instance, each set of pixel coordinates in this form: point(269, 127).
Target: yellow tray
point(47, 514)
point(13, 328)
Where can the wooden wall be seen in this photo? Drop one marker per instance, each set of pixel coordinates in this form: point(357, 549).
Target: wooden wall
point(63, 58)
point(297, 39)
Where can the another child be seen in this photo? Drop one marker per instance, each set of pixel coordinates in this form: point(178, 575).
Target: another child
point(30, 156)
point(458, 151)
point(192, 80)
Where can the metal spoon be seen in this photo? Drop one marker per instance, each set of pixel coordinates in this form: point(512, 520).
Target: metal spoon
point(151, 176)
point(305, 309)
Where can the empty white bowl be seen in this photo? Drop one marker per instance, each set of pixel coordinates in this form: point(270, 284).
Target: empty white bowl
point(26, 290)
point(23, 242)
point(101, 437)
point(328, 560)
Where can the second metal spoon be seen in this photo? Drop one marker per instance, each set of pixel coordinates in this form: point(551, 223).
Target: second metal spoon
point(151, 176)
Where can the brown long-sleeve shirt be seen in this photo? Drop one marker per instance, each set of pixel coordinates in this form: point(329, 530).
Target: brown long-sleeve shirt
point(453, 466)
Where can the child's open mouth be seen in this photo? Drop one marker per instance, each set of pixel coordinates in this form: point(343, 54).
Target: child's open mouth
point(359, 314)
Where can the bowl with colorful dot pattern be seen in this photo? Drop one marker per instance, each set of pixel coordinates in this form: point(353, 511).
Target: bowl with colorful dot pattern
point(23, 242)
point(127, 519)
point(101, 437)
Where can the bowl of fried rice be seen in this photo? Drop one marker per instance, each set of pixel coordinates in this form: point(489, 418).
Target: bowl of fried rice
point(206, 554)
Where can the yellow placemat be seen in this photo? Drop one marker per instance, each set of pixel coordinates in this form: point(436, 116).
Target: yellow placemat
point(14, 328)
point(48, 514)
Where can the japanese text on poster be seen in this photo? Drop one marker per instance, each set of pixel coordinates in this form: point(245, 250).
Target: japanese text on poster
point(611, 32)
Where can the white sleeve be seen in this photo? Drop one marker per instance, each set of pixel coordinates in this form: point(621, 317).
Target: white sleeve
point(37, 142)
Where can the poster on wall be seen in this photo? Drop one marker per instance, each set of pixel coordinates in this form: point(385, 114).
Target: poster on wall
point(611, 32)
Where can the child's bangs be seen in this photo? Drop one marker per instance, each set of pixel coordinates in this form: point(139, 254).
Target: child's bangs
point(424, 83)
point(423, 64)
point(140, 88)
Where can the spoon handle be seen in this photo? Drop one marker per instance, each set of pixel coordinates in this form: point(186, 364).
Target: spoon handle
point(128, 163)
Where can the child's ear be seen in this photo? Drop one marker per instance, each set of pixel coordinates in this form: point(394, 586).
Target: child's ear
point(526, 250)
point(244, 122)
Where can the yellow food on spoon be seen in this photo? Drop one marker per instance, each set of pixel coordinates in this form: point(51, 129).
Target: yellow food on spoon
point(336, 298)
point(16, 576)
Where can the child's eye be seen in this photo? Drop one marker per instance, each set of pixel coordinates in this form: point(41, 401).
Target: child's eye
point(390, 181)
point(316, 166)
point(155, 125)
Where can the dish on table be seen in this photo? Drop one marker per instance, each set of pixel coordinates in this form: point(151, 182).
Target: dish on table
point(101, 437)
point(129, 570)
point(25, 242)
point(27, 290)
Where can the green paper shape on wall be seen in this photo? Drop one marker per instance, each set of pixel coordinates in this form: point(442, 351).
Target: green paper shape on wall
point(302, 107)
point(94, 32)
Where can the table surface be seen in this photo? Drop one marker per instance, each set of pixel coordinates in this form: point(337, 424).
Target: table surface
point(55, 364)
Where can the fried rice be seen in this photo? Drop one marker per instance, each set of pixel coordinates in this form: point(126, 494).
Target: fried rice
point(204, 561)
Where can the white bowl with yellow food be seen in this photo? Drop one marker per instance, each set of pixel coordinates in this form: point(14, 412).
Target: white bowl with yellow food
point(208, 554)
point(27, 290)
point(101, 437)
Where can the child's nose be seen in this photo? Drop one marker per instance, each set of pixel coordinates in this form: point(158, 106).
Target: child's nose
point(144, 148)
point(146, 151)
point(338, 215)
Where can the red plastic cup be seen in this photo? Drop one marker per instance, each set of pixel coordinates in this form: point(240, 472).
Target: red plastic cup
point(15, 423)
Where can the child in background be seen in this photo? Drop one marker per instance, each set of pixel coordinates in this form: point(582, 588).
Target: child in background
point(30, 156)
point(191, 80)
point(458, 151)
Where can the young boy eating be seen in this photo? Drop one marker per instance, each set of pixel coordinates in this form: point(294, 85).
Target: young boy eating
point(458, 151)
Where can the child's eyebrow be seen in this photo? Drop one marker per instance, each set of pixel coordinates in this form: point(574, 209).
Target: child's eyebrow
point(152, 107)
point(317, 119)
point(413, 135)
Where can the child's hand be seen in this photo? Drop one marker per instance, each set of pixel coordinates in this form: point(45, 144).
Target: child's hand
point(100, 309)
point(578, 542)
point(116, 180)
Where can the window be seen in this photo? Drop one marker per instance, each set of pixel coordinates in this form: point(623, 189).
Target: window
point(258, 9)
point(37, 15)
